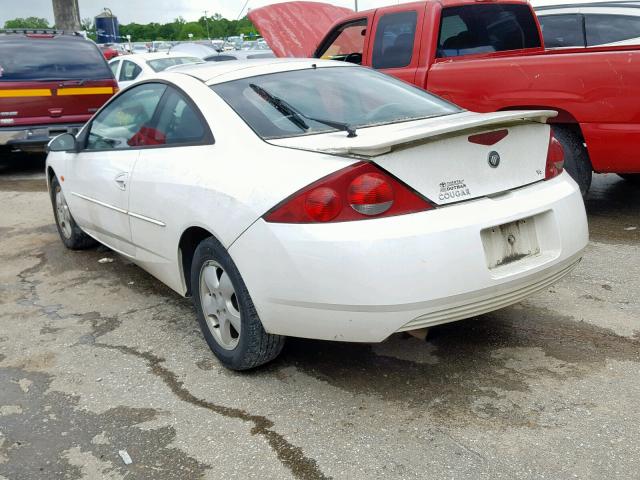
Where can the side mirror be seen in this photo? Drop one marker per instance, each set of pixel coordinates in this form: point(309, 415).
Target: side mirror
point(64, 142)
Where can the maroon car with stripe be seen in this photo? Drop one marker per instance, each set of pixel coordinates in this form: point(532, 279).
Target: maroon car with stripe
point(50, 83)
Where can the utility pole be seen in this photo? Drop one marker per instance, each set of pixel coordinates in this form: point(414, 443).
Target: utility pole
point(206, 20)
point(66, 15)
point(356, 5)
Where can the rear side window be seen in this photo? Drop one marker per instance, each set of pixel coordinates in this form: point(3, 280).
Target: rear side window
point(393, 47)
point(562, 30)
point(602, 29)
point(23, 59)
point(472, 29)
point(129, 71)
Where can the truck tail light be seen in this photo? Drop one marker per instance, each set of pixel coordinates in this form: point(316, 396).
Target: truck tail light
point(356, 192)
point(555, 158)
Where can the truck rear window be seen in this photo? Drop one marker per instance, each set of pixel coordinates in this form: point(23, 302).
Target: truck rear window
point(472, 29)
point(39, 59)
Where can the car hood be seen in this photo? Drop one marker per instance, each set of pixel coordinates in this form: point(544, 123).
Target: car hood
point(294, 29)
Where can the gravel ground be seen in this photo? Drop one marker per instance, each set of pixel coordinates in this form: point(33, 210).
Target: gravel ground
point(98, 359)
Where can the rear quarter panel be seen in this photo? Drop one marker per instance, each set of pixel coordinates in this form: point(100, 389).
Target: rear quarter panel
point(223, 188)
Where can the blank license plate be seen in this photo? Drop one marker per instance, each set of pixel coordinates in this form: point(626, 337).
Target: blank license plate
point(510, 242)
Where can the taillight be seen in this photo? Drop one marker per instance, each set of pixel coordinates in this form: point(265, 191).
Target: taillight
point(356, 192)
point(555, 158)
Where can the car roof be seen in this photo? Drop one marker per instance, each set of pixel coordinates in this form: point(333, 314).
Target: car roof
point(213, 73)
point(154, 56)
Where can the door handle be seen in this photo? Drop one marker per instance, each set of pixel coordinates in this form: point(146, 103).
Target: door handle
point(121, 180)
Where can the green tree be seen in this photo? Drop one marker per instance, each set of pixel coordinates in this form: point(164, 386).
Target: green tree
point(194, 28)
point(29, 22)
point(180, 29)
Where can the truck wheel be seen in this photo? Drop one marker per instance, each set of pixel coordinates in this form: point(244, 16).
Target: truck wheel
point(226, 314)
point(576, 158)
point(70, 233)
point(631, 177)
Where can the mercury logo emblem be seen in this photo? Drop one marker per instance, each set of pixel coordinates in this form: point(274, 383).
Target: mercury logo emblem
point(494, 159)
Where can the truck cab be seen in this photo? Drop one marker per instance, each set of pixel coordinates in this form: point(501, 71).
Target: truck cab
point(483, 55)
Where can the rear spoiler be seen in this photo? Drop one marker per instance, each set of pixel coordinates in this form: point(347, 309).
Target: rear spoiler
point(370, 143)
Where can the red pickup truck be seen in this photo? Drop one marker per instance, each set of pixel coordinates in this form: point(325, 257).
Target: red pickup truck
point(484, 55)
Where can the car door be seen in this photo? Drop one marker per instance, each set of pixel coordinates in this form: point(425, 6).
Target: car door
point(98, 176)
point(396, 41)
point(129, 73)
point(164, 183)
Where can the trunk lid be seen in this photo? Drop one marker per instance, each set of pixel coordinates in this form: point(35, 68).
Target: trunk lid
point(443, 158)
point(294, 29)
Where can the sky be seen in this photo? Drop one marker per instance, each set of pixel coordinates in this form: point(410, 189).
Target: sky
point(164, 11)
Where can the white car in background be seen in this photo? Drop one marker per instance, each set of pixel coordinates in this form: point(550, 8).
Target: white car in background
point(590, 24)
point(133, 68)
point(292, 198)
point(208, 53)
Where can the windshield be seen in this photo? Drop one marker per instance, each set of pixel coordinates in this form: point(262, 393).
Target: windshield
point(51, 59)
point(357, 97)
point(161, 64)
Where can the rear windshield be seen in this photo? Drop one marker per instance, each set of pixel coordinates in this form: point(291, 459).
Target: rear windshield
point(355, 96)
point(161, 64)
point(486, 28)
point(51, 59)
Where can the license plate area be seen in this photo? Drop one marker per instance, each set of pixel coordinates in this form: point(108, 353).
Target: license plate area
point(510, 242)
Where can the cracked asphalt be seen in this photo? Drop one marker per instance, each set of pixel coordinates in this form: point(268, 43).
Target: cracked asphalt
point(101, 358)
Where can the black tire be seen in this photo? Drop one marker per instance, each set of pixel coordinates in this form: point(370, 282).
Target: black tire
point(633, 178)
point(576, 158)
point(254, 346)
point(71, 235)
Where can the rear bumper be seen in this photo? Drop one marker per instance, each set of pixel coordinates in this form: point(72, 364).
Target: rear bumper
point(363, 281)
point(35, 137)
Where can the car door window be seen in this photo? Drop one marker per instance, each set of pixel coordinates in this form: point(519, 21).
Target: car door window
point(129, 71)
point(114, 67)
point(562, 30)
point(346, 43)
point(395, 34)
point(473, 29)
point(178, 121)
point(126, 121)
point(602, 29)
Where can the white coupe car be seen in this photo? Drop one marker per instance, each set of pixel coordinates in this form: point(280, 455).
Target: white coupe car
point(133, 68)
point(318, 199)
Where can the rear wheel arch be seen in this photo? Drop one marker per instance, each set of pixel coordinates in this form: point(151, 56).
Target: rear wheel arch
point(189, 241)
point(569, 133)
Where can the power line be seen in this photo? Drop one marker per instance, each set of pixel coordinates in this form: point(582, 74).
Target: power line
point(242, 10)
